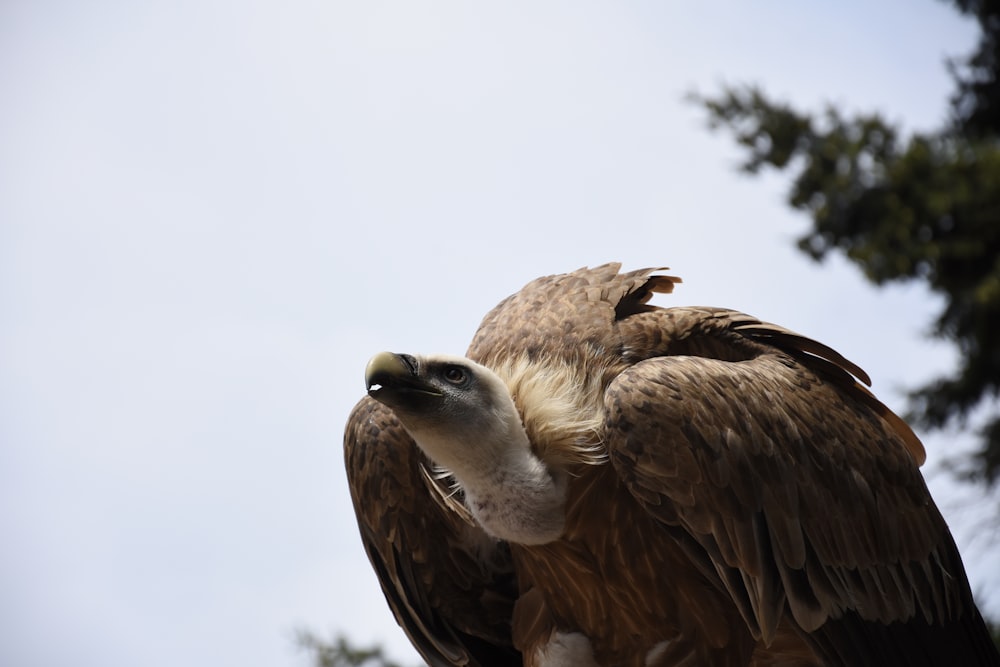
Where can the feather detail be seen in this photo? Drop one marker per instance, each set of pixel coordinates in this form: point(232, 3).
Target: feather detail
point(559, 406)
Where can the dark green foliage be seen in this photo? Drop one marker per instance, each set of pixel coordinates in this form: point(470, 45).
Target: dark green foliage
point(925, 207)
point(340, 653)
point(977, 102)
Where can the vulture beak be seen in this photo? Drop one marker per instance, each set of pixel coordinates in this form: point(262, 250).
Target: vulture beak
point(396, 374)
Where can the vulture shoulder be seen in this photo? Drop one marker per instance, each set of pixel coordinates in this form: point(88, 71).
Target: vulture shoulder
point(450, 586)
point(799, 489)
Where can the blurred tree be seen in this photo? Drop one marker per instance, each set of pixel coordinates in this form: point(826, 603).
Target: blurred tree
point(977, 101)
point(341, 653)
point(923, 208)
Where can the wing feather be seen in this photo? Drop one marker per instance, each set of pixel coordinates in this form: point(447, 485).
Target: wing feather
point(802, 493)
point(450, 587)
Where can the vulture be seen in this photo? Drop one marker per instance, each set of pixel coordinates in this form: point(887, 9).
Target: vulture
point(601, 482)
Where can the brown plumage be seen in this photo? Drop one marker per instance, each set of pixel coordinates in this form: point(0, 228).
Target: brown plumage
point(625, 484)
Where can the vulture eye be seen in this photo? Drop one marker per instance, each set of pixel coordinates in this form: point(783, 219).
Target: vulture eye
point(456, 375)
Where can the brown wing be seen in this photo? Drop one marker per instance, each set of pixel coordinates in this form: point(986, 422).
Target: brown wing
point(567, 315)
point(800, 492)
point(449, 585)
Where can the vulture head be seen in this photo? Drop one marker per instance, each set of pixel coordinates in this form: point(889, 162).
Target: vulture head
point(462, 416)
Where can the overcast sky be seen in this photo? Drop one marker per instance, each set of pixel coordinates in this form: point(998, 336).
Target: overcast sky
point(213, 213)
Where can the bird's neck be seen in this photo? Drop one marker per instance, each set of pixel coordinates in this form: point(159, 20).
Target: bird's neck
point(508, 489)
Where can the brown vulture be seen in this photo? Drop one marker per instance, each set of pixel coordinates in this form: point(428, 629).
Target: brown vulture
point(601, 481)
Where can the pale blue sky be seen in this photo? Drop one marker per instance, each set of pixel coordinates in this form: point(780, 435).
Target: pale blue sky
point(212, 213)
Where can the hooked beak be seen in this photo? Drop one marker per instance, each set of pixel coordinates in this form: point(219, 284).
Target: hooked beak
point(395, 374)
